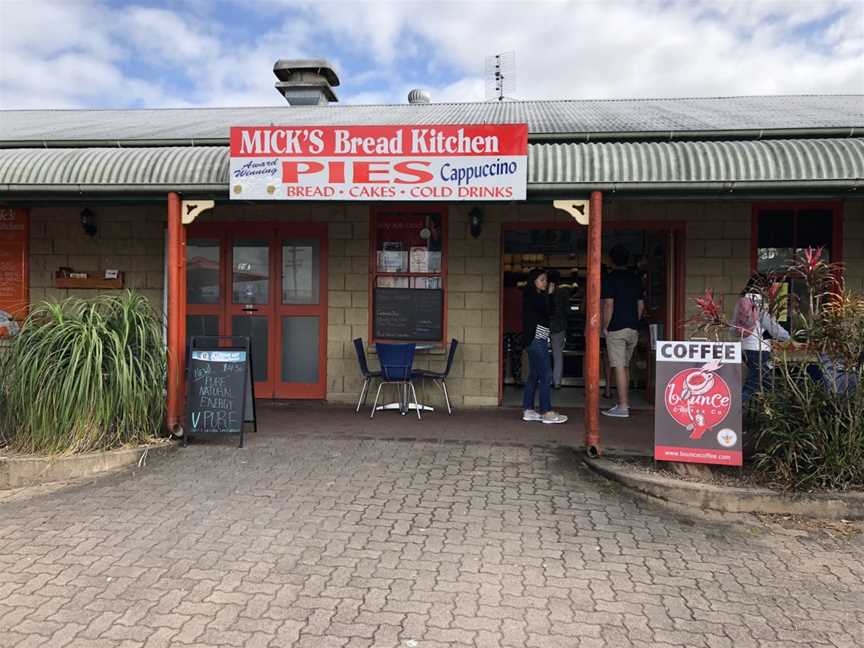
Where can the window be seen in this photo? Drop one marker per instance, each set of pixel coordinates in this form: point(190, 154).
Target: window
point(782, 230)
point(408, 249)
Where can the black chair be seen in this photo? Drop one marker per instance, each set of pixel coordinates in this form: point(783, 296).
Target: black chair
point(440, 377)
point(396, 361)
point(368, 376)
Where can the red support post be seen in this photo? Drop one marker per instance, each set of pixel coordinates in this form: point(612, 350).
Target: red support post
point(181, 323)
point(593, 325)
point(175, 290)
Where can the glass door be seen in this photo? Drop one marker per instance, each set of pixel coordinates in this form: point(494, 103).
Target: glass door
point(301, 312)
point(250, 300)
point(204, 289)
point(267, 282)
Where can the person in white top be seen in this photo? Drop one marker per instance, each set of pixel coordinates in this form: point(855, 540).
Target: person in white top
point(751, 321)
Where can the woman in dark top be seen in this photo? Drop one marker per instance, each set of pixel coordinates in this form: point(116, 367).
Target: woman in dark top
point(535, 330)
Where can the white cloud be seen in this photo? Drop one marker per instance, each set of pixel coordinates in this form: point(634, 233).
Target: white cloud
point(64, 55)
point(611, 49)
point(164, 35)
point(84, 53)
point(465, 89)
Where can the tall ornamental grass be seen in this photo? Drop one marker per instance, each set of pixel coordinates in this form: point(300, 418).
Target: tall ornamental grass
point(85, 375)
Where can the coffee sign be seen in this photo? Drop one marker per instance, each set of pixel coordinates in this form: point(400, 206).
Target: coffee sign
point(697, 414)
point(404, 163)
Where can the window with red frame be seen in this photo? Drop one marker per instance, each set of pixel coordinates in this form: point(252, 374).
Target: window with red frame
point(408, 252)
point(782, 230)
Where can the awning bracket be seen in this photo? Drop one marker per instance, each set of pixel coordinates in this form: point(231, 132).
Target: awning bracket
point(193, 208)
point(578, 209)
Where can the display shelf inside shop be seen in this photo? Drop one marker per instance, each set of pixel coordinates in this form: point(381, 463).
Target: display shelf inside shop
point(88, 282)
point(546, 266)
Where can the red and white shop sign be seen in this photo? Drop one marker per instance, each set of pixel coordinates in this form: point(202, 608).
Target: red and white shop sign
point(402, 163)
point(697, 414)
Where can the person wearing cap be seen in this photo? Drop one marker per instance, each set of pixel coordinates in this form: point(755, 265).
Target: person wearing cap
point(751, 320)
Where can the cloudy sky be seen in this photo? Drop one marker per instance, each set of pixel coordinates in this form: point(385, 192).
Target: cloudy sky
point(149, 53)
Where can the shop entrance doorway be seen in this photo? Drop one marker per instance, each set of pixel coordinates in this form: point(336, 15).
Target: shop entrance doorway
point(656, 254)
point(269, 282)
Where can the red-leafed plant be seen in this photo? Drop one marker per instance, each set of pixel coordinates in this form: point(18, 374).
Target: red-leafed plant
point(807, 429)
point(709, 319)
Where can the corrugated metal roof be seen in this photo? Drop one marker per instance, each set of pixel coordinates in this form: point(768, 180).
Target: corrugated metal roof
point(544, 118)
point(661, 162)
point(638, 163)
point(183, 165)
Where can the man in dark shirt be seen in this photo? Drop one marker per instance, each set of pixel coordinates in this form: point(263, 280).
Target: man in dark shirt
point(623, 302)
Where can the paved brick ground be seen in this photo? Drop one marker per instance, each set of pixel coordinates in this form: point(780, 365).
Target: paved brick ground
point(491, 425)
point(316, 541)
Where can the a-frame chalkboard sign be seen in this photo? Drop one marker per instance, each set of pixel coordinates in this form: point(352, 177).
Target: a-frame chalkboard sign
point(220, 389)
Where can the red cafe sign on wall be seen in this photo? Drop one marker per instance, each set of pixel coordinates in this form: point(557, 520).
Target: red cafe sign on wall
point(697, 414)
point(402, 163)
point(14, 268)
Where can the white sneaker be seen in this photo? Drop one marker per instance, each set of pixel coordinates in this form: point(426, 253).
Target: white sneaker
point(554, 417)
point(531, 415)
point(617, 412)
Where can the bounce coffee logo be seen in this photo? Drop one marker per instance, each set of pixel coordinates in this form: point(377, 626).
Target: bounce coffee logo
point(698, 399)
point(699, 384)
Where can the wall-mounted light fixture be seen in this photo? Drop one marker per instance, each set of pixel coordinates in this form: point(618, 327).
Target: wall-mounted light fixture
point(476, 222)
point(88, 222)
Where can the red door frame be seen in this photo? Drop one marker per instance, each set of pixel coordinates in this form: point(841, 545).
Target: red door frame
point(678, 229)
point(836, 207)
point(316, 391)
point(226, 233)
point(263, 232)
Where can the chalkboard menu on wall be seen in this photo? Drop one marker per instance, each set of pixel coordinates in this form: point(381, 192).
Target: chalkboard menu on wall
point(220, 389)
point(415, 314)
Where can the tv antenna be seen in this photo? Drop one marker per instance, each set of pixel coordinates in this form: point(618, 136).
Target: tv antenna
point(500, 76)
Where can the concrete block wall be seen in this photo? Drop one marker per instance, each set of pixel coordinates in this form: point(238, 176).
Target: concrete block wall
point(718, 244)
point(473, 288)
point(473, 278)
point(129, 239)
point(348, 314)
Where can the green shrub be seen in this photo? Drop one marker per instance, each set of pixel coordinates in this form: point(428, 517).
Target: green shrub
point(806, 431)
point(85, 375)
point(806, 434)
point(809, 433)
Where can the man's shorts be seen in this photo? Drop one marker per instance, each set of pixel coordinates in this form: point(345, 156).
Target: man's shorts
point(620, 346)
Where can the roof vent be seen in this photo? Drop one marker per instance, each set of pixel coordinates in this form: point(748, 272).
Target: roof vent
point(419, 96)
point(306, 82)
